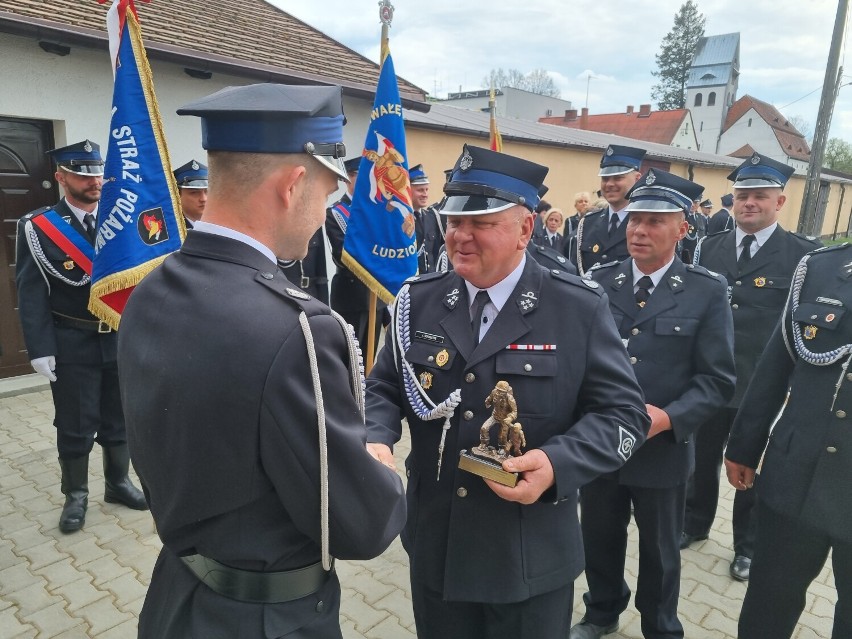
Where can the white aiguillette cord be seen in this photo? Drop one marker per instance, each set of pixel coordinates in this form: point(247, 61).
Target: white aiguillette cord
point(356, 368)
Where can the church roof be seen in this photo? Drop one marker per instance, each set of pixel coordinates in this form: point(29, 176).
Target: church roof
point(789, 139)
point(243, 37)
point(716, 59)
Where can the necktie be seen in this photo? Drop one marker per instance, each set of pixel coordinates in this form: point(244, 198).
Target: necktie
point(613, 224)
point(745, 256)
point(90, 224)
point(552, 239)
point(645, 284)
point(478, 307)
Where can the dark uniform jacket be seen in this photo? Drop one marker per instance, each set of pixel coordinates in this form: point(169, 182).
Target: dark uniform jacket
point(544, 240)
point(43, 292)
point(348, 294)
point(721, 220)
point(806, 470)
point(757, 294)
point(596, 246)
point(222, 428)
point(550, 258)
point(579, 403)
point(681, 348)
point(430, 238)
point(309, 273)
point(697, 229)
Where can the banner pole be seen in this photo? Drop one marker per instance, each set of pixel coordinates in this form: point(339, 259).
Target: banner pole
point(371, 334)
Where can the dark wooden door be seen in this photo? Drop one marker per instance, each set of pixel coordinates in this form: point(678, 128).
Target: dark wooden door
point(26, 183)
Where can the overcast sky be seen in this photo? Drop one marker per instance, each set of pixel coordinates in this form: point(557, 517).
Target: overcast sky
point(442, 45)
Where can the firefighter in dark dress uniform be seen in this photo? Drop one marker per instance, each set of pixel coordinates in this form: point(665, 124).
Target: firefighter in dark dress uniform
point(804, 488)
point(191, 181)
point(487, 561)
point(243, 394)
point(65, 342)
point(600, 236)
point(427, 222)
point(757, 258)
point(677, 326)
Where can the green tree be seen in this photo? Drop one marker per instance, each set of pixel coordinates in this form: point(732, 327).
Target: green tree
point(536, 81)
point(838, 155)
point(675, 57)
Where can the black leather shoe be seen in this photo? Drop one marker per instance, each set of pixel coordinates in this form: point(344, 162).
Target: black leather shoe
point(588, 630)
point(686, 540)
point(741, 567)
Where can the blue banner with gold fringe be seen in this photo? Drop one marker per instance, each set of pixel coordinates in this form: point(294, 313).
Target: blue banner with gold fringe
point(380, 245)
point(138, 217)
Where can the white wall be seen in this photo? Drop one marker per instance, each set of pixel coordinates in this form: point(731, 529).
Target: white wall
point(685, 137)
point(760, 136)
point(75, 93)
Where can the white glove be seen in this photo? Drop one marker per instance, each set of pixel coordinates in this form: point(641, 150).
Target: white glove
point(45, 366)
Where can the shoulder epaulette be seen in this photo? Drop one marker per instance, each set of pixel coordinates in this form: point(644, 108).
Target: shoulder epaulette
point(700, 270)
point(833, 247)
point(36, 213)
point(809, 239)
point(592, 214)
point(598, 267)
point(425, 277)
point(579, 282)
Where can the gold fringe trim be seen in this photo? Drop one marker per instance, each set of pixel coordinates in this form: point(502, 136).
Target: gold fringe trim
point(131, 277)
point(372, 283)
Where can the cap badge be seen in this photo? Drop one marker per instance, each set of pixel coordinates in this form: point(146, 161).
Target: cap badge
point(87, 147)
point(650, 179)
point(426, 380)
point(755, 159)
point(810, 331)
point(195, 166)
point(466, 161)
point(760, 282)
point(442, 357)
point(609, 150)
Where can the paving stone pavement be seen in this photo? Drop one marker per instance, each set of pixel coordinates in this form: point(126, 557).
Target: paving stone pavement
point(92, 583)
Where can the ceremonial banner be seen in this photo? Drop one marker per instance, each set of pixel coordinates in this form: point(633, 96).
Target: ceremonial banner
point(138, 216)
point(380, 246)
point(495, 140)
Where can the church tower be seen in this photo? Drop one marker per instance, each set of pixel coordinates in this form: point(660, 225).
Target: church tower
point(712, 86)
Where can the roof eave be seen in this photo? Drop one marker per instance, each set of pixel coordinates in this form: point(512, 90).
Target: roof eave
point(82, 36)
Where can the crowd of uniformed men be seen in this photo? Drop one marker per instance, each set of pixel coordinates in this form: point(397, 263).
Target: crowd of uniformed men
point(263, 456)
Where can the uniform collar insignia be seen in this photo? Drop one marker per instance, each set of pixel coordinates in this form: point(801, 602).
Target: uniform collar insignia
point(675, 282)
point(452, 298)
point(527, 301)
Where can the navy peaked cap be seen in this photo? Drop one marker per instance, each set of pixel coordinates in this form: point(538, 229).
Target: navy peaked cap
point(619, 159)
point(485, 181)
point(82, 158)
point(274, 118)
point(192, 175)
point(663, 192)
point(760, 172)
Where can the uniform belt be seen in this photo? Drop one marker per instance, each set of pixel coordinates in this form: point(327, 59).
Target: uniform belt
point(258, 587)
point(83, 324)
point(316, 281)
